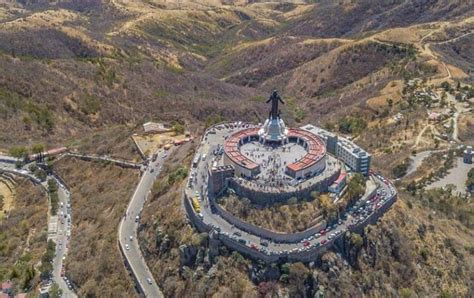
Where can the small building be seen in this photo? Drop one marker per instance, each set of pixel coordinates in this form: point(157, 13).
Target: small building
point(339, 184)
point(218, 178)
point(7, 287)
point(434, 116)
point(155, 127)
point(467, 156)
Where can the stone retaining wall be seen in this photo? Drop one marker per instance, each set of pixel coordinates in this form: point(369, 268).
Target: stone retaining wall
point(265, 233)
point(267, 198)
point(303, 256)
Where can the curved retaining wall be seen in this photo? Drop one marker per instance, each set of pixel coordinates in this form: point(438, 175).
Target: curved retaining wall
point(264, 233)
point(31, 177)
point(198, 222)
point(303, 256)
point(374, 217)
point(138, 285)
point(266, 198)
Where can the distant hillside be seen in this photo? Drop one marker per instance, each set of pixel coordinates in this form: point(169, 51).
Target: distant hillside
point(87, 74)
point(355, 18)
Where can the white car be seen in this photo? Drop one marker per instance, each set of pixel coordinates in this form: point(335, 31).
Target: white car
point(127, 247)
point(148, 280)
point(131, 237)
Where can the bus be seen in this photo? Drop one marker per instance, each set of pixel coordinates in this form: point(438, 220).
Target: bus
point(196, 205)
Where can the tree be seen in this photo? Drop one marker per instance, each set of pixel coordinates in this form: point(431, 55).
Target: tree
point(356, 187)
point(390, 102)
point(55, 291)
point(400, 170)
point(352, 125)
point(327, 207)
point(37, 148)
point(292, 201)
point(178, 128)
point(458, 96)
point(296, 279)
point(356, 240)
point(446, 86)
point(470, 180)
point(18, 152)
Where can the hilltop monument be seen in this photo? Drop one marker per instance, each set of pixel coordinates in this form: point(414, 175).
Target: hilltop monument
point(274, 129)
point(275, 98)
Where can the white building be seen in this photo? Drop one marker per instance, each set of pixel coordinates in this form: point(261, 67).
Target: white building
point(352, 155)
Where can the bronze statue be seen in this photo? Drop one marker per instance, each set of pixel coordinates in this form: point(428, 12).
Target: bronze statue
point(274, 98)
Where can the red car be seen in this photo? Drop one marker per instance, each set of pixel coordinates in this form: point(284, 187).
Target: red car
point(322, 232)
point(324, 241)
point(253, 246)
point(306, 243)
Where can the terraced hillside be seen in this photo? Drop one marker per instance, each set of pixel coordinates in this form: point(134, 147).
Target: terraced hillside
point(94, 262)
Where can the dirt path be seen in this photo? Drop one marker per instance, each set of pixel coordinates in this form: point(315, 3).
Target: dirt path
point(418, 137)
point(8, 198)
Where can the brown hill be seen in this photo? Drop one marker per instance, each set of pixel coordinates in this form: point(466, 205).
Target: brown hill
point(88, 73)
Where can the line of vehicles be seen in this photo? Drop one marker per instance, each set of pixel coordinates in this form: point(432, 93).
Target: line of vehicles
point(359, 214)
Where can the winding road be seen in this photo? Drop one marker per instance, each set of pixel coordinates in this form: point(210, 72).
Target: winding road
point(128, 226)
point(62, 237)
point(62, 226)
point(128, 230)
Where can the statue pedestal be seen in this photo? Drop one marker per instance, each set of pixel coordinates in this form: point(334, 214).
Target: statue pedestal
point(273, 131)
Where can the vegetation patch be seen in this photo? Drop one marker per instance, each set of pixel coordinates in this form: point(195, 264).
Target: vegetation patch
point(288, 218)
point(101, 193)
point(23, 237)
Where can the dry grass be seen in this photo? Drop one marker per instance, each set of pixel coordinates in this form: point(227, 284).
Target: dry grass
point(6, 192)
point(100, 194)
point(393, 91)
point(466, 128)
point(114, 141)
point(23, 235)
point(285, 218)
point(164, 213)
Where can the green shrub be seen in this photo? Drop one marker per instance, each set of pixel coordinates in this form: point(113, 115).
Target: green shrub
point(90, 104)
point(352, 125)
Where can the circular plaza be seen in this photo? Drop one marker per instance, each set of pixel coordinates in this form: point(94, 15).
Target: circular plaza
point(274, 171)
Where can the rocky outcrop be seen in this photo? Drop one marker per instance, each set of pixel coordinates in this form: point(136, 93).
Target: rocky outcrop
point(165, 244)
point(187, 255)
